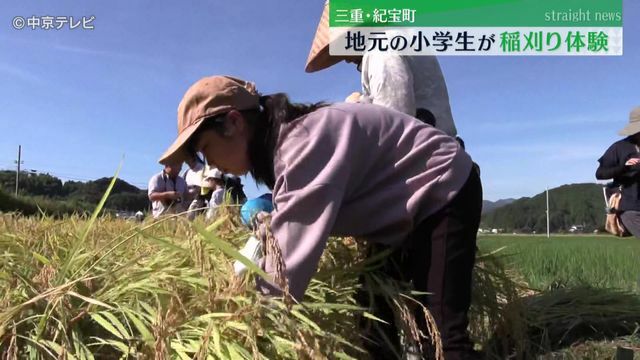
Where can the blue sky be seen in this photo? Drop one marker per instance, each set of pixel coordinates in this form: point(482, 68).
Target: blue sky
point(78, 100)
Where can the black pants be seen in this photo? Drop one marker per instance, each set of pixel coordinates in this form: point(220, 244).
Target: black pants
point(631, 221)
point(438, 258)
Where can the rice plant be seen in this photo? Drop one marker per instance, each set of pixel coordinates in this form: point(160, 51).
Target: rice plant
point(96, 287)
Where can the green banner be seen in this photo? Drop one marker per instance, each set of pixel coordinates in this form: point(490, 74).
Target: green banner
point(475, 13)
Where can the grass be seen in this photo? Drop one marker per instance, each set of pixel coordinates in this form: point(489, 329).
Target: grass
point(584, 300)
point(101, 288)
point(158, 291)
point(598, 349)
point(571, 260)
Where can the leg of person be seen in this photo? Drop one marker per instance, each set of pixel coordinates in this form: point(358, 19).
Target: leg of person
point(631, 221)
point(379, 339)
point(446, 241)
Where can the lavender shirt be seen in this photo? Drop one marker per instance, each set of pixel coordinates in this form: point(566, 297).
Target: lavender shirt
point(358, 170)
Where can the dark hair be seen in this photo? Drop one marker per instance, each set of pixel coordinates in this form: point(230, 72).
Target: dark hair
point(264, 123)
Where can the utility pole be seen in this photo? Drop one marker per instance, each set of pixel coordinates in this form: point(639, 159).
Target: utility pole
point(18, 172)
point(548, 230)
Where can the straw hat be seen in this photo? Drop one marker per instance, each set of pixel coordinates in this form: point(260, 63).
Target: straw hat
point(633, 127)
point(319, 57)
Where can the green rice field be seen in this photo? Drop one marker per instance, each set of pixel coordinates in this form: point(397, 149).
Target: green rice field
point(102, 288)
point(570, 260)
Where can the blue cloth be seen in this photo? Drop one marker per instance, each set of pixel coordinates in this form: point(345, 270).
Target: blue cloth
point(254, 206)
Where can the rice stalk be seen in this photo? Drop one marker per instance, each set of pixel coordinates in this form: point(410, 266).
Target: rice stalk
point(162, 288)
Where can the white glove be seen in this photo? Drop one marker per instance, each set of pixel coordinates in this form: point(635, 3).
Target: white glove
point(252, 250)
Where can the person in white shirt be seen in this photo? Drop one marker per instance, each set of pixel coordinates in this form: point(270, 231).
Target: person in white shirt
point(193, 176)
point(413, 85)
point(214, 180)
point(166, 190)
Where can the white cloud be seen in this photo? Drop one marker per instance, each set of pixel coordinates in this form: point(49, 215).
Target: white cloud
point(521, 123)
point(19, 73)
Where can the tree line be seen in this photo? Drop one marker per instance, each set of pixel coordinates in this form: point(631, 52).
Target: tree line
point(65, 197)
point(569, 205)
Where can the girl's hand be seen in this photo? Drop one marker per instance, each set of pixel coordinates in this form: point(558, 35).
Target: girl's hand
point(353, 98)
point(632, 161)
point(261, 221)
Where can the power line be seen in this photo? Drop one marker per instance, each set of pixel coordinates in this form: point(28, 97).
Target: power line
point(71, 177)
point(19, 162)
point(548, 230)
point(12, 165)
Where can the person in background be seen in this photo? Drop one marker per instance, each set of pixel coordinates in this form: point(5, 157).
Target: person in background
point(193, 176)
point(621, 162)
point(332, 169)
point(214, 180)
point(413, 85)
point(233, 185)
point(167, 189)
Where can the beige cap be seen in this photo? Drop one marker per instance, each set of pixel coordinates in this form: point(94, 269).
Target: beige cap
point(214, 173)
point(633, 127)
point(208, 97)
point(319, 57)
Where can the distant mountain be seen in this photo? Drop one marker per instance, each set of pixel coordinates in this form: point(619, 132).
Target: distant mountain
point(575, 204)
point(124, 196)
point(92, 191)
point(489, 206)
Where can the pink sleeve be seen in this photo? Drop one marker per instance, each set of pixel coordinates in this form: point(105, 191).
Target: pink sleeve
point(308, 194)
point(301, 226)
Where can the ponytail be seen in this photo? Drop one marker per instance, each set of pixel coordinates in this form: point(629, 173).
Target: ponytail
point(275, 110)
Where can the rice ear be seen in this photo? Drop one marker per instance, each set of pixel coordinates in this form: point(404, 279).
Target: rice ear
point(273, 252)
